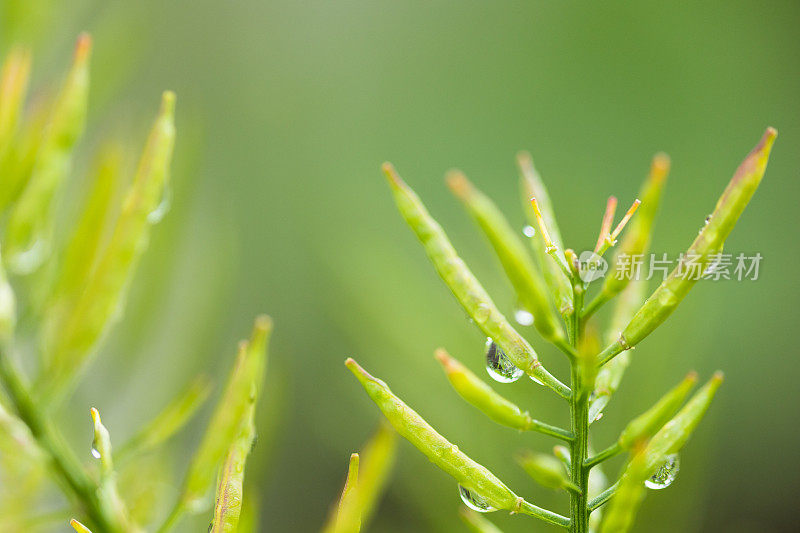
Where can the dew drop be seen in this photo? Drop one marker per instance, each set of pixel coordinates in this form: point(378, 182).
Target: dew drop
point(528, 231)
point(523, 317)
point(665, 474)
point(95, 452)
point(155, 216)
point(474, 501)
point(499, 366)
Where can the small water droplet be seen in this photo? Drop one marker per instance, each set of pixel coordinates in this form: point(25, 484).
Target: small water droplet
point(474, 501)
point(499, 366)
point(95, 452)
point(708, 219)
point(523, 317)
point(665, 474)
point(528, 231)
point(155, 216)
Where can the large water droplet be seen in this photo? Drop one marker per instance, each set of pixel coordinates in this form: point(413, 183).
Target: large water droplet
point(528, 231)
point(474, 501)
point(523, 317)
point(155, 216)
point(665, 474)
point(499, 366)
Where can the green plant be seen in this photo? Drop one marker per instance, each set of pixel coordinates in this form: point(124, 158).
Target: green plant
point(70, 292)
point(554, 294)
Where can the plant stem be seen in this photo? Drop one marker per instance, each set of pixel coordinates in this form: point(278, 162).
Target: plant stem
point(66, 466)
point(579, 415)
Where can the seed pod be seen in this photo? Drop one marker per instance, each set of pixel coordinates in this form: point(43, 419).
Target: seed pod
point(477, 523)
point(80, 528)
point(528, 283)
point(101, 445)
point(544, 469)
point(68, 343)
point(347, 518)
point(476, 392)
point(464, 286)
point(648, 423)
point(439, 450)
point(637, 237)
point(169, 421)
point(377, 461)
point(229, 499)
point(86, 243)
point(533, 187)
point(627, 498)
point(29, 226)
point(669, 439)
point(710, 240)
point(229, 417)
point(13, 87)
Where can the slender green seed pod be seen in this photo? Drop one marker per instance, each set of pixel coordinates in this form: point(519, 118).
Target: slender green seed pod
point(477, 523)
point(476, 392)
point(18, 160)
point(637, 237)
point(29, 226)
point(627, 498)
point(523, 274)
point(80, 528)
point(169, 421)
point(348, 513)
point(710, 241)
point(229, 498)
point(443, 453)
point(464, 286)
point(669, 439)
point(86, 243)
point(229, 417)
point(648, 423)
point(532, 186)
point(545, 469)
point(439, 450)
point(13, 87)
point(67, 344)
point(377, 462)
point(101, 445)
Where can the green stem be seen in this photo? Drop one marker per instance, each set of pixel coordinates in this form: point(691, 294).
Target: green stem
point(579, 415)
point(609, 452)
point(65, 465)
point(603, 497)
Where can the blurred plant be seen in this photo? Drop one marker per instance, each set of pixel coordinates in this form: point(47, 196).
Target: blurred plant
point(552, 293)
point(367, 476)
point(73, 291)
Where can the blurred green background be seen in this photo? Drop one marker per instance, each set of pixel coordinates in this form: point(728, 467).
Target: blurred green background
point(287, 109)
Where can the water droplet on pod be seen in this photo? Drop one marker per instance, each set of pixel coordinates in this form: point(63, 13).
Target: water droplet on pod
point(523, 317)
point(95, 452)
point(665, 474)
point(528, 231)
point(499, 366)
point(155, 216)
point(474, 501)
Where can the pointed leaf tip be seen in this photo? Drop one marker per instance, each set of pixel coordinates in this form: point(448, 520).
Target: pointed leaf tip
point(458, 183)
point(391, 175)
point(77, 526)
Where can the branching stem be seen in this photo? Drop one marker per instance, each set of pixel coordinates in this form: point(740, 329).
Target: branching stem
point(579, 416)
